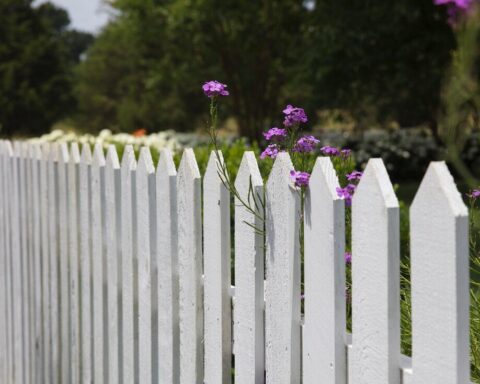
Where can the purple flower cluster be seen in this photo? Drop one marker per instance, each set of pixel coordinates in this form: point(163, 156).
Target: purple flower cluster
point(474, 194)
point(300, 179)
point(455, 8)
point(214, 88)
point(348, 257)
point(275, 134)
point(354, 176)
point(306, 144)
point(462, 4)
point(294, 115)
point(271, 151)
point(347, 193)
point(334, 151)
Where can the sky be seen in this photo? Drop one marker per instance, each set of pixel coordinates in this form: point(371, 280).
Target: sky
point(85, 15)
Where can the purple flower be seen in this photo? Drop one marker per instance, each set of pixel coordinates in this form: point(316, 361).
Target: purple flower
point(346, 193)
point(328, 150)
point(475, 194)
point(214, 88)
point(301, 179)
point(275, 133)
point(306, 144)
point(354, 176)
point(345, 152)
point(462, 4)
point(294, 115)
point(348, 257)
point(271, 151)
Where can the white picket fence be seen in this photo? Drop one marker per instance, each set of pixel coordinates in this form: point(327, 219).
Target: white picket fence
point(113, 273)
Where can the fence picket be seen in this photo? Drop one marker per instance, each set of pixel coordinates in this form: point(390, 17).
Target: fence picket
point(100, 330)
point(112, 225)
point(64, 291)
point(86, 264)
point(17, 291)
point(128, 170)
point(217, 275)
point(167, 262)
point(440, 280)
point(53, 197)
point(24, 259)
point(44, 226)
point(74, 261)
point(282, 291)
point(145, 197)
point(190, 269)
point(36, 155)
point(3, 275)
point(249, 274)
point(375, 279)
point(324, 349)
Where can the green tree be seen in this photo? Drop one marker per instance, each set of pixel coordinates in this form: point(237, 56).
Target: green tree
point(35, 67)
point(380, 59)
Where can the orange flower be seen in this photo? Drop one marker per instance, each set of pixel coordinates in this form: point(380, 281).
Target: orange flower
point(140, 132)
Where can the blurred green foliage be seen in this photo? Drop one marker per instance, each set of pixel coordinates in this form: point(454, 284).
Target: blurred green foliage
point(37, 55)
point(381, 60)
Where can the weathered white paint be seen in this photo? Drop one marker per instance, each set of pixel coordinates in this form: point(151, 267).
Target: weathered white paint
point(100, 332)
point(86, 264)
point(249, 274)
point(440, 280)
point(64, 290)
point(128, 169)
point(190, 270)
point(217, 275)
point(74, 262)
point(282, 290)
point(324, 357)
point(112, 225)
point(375, 279)
point(167, 262)
point(145, 173)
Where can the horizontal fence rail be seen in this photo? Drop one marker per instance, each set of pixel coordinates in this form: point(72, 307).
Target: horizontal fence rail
point(120, 271)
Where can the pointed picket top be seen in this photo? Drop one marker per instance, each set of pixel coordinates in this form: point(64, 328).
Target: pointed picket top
point(98, 156)
point(248, 172)
point(8, 148)
point(112, 158)
point(281, 171)
point(74, 153)
point(86, 155)
point(128, 159)
point(440, 280)
point(53, 153)
point(166, 165)
point(376, 177)
point(145, 162)
point(17, 145)
point(375, 279)
point(439, 182)
point(63, 155)
point(214, 173)
point(324, 358)
point(188, 165)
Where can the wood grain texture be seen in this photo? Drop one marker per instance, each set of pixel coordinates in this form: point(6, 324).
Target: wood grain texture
point(375, 279)
point(440, 280)
point(249, 275)
point(282, 290)
point(324, 306)
point(190, 270)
